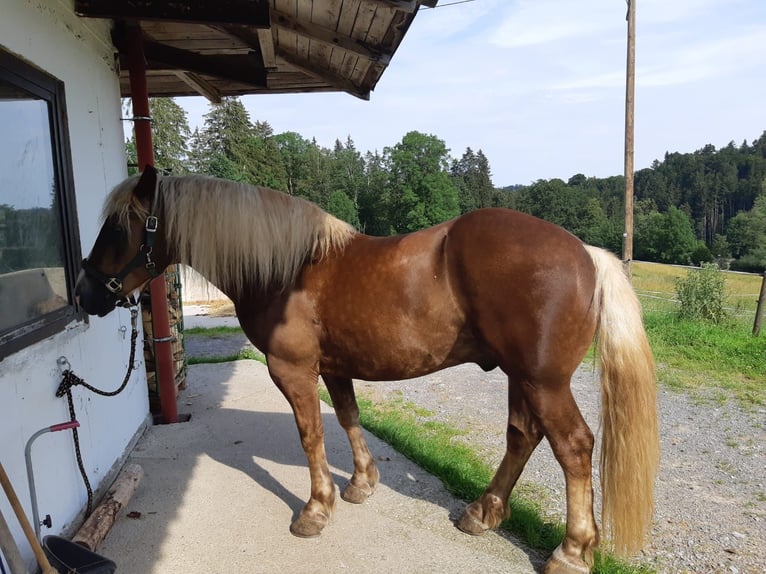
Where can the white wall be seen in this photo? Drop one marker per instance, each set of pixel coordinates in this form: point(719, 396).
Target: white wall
point(78, 52)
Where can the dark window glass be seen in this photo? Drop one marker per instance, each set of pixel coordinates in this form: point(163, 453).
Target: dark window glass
point(38, 231)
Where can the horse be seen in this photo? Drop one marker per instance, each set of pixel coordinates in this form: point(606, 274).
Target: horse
point(494, 287)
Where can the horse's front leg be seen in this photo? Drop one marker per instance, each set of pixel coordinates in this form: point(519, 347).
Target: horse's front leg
point(299, 386)
point(366, 476)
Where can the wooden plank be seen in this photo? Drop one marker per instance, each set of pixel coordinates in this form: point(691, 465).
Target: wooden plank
point(266, 42)
point(340, 83)
point(302, 42)
point(324, 17)
point(241, 68)
point(379, 25)
point(326, 14)
point(347, 17)
point(359, 72)
point(363, 20)
point(408, 6)
point(162, 31)
point(251, 12)
point(315, 33)
point(210, 47)
point(201, 85)
point(259, 40)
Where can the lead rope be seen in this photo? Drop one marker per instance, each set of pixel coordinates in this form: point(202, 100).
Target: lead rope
point(69, 380)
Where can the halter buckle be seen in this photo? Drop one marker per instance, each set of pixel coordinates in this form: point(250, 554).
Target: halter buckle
point(114, 285)
point(151, 224)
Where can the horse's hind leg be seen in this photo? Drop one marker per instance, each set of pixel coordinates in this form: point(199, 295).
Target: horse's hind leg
point(572, 443)
point(365, 477)
point(523, 434)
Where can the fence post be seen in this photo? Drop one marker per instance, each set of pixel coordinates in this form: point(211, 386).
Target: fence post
point(759, 307)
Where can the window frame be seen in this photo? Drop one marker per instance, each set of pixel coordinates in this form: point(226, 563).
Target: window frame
point(19, 73)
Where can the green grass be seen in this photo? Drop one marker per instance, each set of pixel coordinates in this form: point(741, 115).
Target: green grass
point(696, 356)
point(243, 354)
point(213, 331)
point(718, 362)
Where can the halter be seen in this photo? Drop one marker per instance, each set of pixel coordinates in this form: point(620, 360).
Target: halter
point(143, 257)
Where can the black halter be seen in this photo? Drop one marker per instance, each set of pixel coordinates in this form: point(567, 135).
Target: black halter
point(143, 257)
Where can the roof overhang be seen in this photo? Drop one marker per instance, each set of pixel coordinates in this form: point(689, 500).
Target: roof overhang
point(219, 48)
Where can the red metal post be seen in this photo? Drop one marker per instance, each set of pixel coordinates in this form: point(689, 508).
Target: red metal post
point(157, 288)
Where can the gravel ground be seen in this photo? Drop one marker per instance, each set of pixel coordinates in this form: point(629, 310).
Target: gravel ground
point(711, 491)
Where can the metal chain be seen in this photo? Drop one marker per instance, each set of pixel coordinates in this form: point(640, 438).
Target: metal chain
point(69, 380)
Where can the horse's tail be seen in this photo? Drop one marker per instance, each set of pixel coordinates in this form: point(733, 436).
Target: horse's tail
point(630, 442)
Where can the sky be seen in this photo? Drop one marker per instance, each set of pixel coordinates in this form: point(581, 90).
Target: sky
point(539, 85)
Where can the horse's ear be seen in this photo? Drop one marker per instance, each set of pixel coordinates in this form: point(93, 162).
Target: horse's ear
point(147, 183)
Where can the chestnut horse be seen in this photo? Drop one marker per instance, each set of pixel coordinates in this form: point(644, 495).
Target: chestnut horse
point(493, 287)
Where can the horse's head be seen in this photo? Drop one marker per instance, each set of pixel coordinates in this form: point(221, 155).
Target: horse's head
point(128, 251)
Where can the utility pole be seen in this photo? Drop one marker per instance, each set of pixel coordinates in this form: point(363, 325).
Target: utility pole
point(630, 90)
point(759, 308)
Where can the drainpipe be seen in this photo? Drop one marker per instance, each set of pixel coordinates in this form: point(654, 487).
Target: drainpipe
point(157, 287)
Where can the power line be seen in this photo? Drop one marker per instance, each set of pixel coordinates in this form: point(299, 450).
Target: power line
point(451, 4)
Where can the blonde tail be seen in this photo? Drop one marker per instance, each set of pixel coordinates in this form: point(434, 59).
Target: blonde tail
point(630, 440)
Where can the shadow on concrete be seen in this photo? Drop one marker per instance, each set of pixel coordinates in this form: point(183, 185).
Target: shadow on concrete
point(224, 487)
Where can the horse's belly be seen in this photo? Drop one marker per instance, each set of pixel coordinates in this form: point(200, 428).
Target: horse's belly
point(392, 356)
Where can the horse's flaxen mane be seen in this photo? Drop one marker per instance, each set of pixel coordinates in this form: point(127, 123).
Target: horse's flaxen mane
point(236, 234)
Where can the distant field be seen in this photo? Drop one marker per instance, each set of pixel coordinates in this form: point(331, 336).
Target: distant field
point(656, 285)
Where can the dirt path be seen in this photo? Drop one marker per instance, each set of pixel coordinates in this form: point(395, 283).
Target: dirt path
point(711, 491)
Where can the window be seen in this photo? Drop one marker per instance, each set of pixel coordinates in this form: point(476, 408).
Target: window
point(39, 244)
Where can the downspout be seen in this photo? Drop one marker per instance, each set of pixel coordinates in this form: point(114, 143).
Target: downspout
point(157, 288)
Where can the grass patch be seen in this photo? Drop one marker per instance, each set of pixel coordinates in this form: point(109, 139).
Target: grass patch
point(431, 446)
point(693, 355)
point(214, 331)
point(249, 354)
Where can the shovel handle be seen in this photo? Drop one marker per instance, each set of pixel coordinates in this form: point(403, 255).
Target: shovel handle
point(42, 560)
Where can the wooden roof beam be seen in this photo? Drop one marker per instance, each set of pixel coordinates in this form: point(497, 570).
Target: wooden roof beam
point(202, 86)
point(323, 75)
point(248, 12)
point(329, 37)
point(260, 40)
point(239, 68)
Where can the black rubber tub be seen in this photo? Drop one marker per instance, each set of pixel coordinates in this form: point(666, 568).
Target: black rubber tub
point(70, 558)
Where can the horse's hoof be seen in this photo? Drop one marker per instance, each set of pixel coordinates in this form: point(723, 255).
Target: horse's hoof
point(308, 526)
point(560, 563)
point(470, 524)
point(356, 494)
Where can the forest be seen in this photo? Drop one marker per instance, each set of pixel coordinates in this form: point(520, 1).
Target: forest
point(689, 208)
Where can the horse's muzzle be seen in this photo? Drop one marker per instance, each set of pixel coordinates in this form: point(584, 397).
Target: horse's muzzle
point(93, 296)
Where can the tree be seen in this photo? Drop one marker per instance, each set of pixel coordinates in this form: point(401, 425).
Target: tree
point(747, 238)
point(374, 197)
point(665, 237)
point(422, 192)
point(472, 177)
point(347, 174)
point(295, 152)
point(170, 137)
point(226, 134)
point(343, 208)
